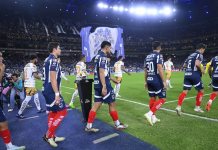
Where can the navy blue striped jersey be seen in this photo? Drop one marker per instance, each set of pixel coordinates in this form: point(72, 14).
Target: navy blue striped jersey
point(151, 62)
point(214, 64)
point(190, 62)
point(101, 61)
point(51, 64)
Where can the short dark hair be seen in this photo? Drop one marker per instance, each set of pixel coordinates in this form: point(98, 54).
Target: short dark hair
point(120, 57)
point(81, 56)
point(155, 45)
point(105, 43)
point(201, 45)
point(52, 45)
point(15, 74)
point(33, 57)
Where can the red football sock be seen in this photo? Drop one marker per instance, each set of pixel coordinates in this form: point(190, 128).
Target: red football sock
point(92, 115)
point(51, 116)
point(151, 102)
point(6, 136)
point(181, 98)
point(213, 96)
point(199, 98)
point(59, 116)
point(114, 115)
point(157, 105)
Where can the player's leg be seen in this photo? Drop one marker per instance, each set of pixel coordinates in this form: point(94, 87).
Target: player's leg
point(6, 135)
point(213, 95)
point(117, 86)
point(114, 115)
point(24, 103)
point(151, 104)
point(55, 123)
point(186, 87)
point(212, 98)
point(57, 113)
point(167, 79)
point(170, 74)
point(37, 102)
point(150, 116)
point(12, 100)
point(75, 94)
point(92, 115)
point(199, 87)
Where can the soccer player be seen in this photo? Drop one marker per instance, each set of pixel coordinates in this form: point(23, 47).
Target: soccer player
point(30, 74)
point(81, 73)
point(193, 74)
point(104, 92)
point(54, 101)
point(4, 131)
point(207, 71)
point(155, 82)
point(213, 72)
point(118, 68)
point(168, 65)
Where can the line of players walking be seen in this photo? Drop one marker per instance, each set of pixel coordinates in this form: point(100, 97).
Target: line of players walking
point(155, 83)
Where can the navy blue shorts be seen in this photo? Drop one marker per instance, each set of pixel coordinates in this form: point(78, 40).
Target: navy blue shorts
point(109, 98)
point(156, 88)
point(215, 83)
point(193, 80)
point(50, 98)
point(2, 116)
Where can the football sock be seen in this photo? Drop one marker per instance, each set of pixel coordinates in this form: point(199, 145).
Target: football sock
point(181, 98)
point(199, 98)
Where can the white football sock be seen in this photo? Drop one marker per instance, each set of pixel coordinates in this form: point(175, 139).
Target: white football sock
point(74, 96)
point(36, 100)
point(118, 88)
point(117, 123)
point(89, 125)
point(24, 104)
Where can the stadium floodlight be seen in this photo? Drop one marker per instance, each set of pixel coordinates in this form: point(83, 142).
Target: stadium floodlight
point(167, 11)
point(121, 8)
point(152, 11)
point(140, 11)
point(102, 5)
point(115, 7)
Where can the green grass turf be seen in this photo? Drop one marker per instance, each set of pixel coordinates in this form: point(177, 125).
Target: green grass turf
point(173, 132)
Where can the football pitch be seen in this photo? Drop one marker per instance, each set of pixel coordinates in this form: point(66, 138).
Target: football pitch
point(189, 132)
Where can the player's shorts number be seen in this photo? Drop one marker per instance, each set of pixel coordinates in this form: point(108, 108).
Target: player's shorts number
point(150, 67)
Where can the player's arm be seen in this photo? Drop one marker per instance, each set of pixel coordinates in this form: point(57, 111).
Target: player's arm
point(160, 69)
point(198, 65)
point(102, 68)
point(2, 70)
point(124, 69)
point(145, 70)
point(36, 75)
point(114, 80)
point(210, 69)
point(54, 84)
point(161, 73)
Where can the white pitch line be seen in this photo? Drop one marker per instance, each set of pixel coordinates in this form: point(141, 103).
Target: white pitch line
point(105, 138)
point(185, 99)
point(33, 117)
point(68, 87)
point(169, 110)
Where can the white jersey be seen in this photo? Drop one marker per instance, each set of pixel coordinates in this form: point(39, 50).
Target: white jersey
point(80, 70)
point(168, 65)
point(29, 79)
point(118, 68)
